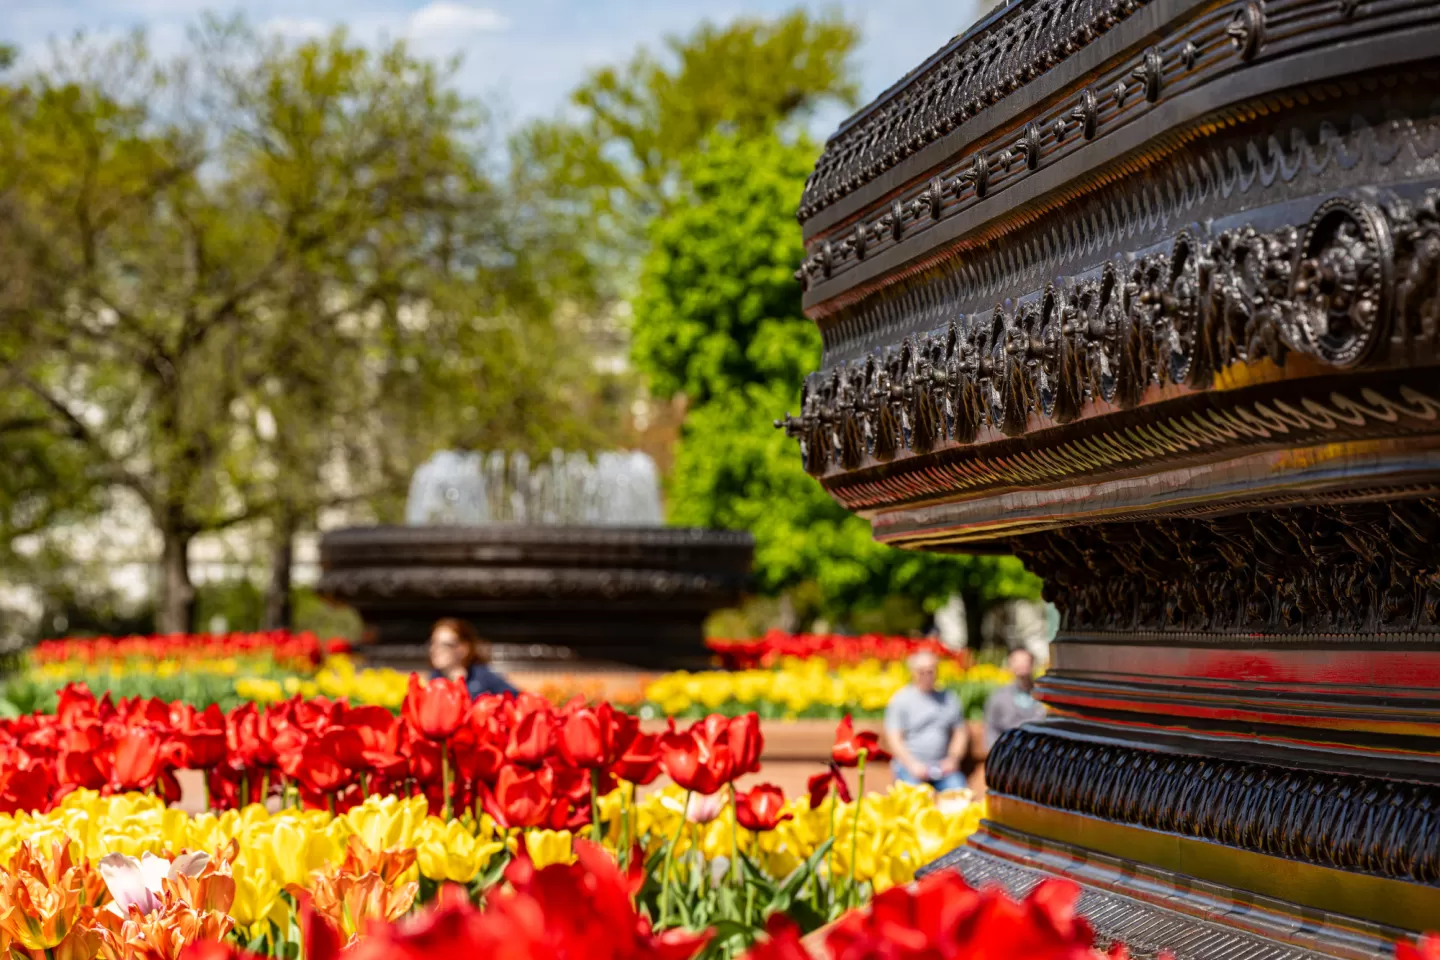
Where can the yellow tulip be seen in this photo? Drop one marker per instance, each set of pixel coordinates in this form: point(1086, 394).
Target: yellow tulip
point(549, 846)
point(449, 852)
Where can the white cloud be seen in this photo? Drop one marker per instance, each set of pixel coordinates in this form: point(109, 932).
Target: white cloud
point(444, 19)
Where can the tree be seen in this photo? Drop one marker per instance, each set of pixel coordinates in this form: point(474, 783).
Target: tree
point(613, 163)
point(718, 319)
point(247, 271)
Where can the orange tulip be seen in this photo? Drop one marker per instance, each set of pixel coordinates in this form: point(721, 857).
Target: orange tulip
point(43, 901)
point(389, 864)
point(192, 906)
point(347, 901)
point(162, 935)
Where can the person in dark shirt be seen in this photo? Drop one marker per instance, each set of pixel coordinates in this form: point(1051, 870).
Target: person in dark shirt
point(458, 651)
point(1014, 704)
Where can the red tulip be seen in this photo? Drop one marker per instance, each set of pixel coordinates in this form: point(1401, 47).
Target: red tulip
point(424, 759)
point(478, 762)
point(531, 738)
point(199, 735)
point(451, 927)
point(249, 735)
point(136, 762)
point(746, 743)
point(639, 763)
point(1426, 948)
point(289, 744)
point(75, 704)
point(324, 762)
point(76, 770)
point(520, 798)
point(849, 745)
point(583, 736)
point(819, 786)
point(942, 916)
point(25, 785)
point(595, 737)
point(761, 808)
point(436, 709)
point(782, 942)
point(695, 761)
point(377, 732)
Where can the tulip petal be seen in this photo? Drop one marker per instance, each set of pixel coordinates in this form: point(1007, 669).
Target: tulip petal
point(125, 880)
point(189, 864)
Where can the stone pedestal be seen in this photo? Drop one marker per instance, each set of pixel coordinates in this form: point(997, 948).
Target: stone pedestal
point(1148, 294)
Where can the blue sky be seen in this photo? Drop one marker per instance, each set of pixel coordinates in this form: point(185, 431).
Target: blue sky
point(523, 55)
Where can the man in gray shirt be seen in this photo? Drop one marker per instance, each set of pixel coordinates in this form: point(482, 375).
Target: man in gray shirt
point(1014, 704)
point(925, 729)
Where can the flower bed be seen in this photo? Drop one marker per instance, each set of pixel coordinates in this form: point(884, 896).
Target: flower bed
point(813, 688)
point(779, 676)
point(314, 797)
point(199, 669)
point(777, 646)
point(499, 827)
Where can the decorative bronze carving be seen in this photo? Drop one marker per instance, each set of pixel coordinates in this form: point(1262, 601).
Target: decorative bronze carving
point(1355, 569)
point(1140, 84)
point(1389, 828)
point(1166, 324)
point(1007, 53)
point(1173, 317)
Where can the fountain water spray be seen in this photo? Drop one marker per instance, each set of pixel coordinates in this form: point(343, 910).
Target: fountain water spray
point(566, 489)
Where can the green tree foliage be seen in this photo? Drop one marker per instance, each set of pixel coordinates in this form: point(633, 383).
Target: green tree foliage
point(613, 162)
point(260, 279)
point(718, 319)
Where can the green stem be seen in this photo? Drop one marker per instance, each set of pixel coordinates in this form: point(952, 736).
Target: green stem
point(830, 857)
point(734, 839)
point(244, 791)
point(595, 806)
point(445, 781)
point(669, 863)
point(622, 851)
point(855, 830)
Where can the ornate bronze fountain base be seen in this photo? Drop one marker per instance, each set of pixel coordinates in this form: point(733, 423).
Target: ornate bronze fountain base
point(1148, 294)
point(548, 598)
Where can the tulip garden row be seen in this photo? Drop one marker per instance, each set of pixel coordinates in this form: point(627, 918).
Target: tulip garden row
point(777, 645)
point(811, 688)
point(781, 675)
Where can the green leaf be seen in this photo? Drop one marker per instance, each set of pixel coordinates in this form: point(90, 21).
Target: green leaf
point(785, 895)
point(492, 873)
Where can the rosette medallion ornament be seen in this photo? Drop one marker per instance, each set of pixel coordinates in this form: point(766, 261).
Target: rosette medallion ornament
point(1148, 294)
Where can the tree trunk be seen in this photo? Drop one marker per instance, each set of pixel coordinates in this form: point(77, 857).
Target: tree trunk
point(277, 594)
point(177, 595)
point(974, 615)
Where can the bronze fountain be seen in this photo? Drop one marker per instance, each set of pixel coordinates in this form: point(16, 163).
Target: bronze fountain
point(1148, 294)
point(564, 564)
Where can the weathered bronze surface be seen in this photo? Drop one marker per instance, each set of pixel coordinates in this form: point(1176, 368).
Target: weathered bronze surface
point(544, 595)
point(1149, 295)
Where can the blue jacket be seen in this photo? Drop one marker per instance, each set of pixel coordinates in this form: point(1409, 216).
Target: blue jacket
point(481, 679)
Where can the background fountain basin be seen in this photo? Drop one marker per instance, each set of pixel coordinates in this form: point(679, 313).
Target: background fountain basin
point(548, 597)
